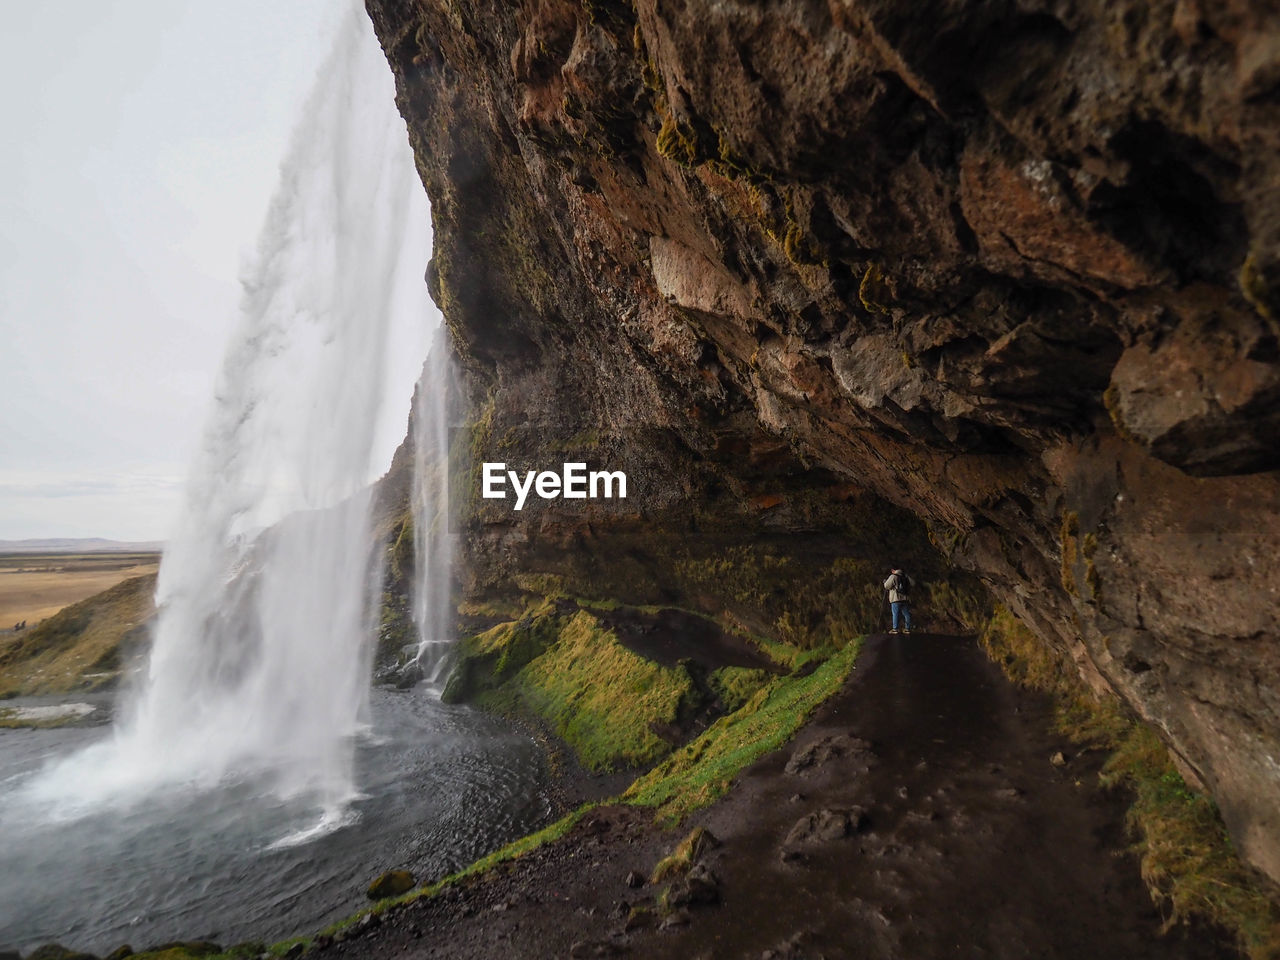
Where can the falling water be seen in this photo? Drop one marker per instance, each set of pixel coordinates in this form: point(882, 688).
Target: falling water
point(260, 664)
point(433, 542)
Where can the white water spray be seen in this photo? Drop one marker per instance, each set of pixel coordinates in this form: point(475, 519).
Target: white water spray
point(260, 664)
point(433, 541)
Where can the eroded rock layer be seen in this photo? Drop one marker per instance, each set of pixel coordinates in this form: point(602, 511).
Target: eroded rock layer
point(1014, 267)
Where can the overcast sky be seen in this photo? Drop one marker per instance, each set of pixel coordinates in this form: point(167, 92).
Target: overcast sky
point(142, 142)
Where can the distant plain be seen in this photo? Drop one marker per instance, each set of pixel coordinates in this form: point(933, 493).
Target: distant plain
point(36, 586)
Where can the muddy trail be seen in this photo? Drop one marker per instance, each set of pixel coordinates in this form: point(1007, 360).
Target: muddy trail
point(918, 815)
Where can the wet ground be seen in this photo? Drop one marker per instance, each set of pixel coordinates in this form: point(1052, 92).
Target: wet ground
point(918, 816)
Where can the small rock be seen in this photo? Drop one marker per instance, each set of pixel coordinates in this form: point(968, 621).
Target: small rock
point(592, 948)
point(368, 921)
point(638, 918)
point(824, 826)
point(698, 887)
point(796, 798)
point(833, 746)
point(635, 880)
point(679, 918)
point(297, 950)
point(322, 942)
point(1058, 759)
point(391, 884)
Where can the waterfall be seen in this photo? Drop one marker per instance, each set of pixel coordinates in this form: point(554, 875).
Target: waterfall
point(259, 669)
point(433, 541)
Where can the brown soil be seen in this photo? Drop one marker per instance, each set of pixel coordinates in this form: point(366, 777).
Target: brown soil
point(939, 828)
point(33, 588)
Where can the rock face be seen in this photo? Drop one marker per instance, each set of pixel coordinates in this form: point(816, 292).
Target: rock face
point(1013, 267)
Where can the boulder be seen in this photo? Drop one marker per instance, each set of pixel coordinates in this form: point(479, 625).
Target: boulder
point(391, 884)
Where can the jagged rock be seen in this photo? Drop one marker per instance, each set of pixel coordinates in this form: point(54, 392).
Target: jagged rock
point(698, 887)
point(679, 918)
point(1058, 759)
point(391, 884)
point(635, 879)
point(822, 827)
point(818, 753)
point(1039, 311)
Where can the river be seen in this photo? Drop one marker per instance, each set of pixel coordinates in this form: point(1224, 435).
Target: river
point(440, 786)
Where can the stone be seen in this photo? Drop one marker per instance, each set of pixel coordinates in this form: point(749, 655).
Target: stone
point(698, 887)
point(1039, 315)
point(818, 753)
point(584, 949)
point(822, 827)
point(635, 879)
point(391, 884)
point(679, 918)
point(1058, 759)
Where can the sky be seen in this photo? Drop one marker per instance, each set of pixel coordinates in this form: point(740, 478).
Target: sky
point(143, 141)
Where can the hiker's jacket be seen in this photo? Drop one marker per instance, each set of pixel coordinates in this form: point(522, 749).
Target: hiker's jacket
point(893, 583)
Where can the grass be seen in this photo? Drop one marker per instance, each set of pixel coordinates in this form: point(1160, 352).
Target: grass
point(735, 686)
point(683, 856)
point(570, 671)
point(1188, 861)
point(601, 698)
point(702, 771)
point(85, 637)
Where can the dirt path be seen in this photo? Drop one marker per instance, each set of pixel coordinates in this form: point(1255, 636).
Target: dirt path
point(917, 816)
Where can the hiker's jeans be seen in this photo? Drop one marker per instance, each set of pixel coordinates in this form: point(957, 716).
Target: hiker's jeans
point(901, 613)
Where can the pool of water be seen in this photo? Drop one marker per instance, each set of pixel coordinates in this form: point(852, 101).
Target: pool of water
point(440, 786)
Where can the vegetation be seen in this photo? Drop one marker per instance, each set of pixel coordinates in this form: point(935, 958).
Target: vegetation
point(703, 770)
point(80, 647)
point(1187, 859)
point(687, 851)
point(570, 671)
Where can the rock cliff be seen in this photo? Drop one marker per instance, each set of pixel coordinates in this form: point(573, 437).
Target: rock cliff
point(1012, 267)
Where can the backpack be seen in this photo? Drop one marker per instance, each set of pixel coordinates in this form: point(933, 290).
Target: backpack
point(904, 585)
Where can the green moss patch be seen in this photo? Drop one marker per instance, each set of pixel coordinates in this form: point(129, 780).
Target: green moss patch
point(702, 771)
point(570, 671)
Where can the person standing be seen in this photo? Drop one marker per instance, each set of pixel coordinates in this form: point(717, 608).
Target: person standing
point(899, 586)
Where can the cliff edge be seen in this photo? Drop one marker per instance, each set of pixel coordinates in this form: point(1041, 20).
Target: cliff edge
point(1014, 268)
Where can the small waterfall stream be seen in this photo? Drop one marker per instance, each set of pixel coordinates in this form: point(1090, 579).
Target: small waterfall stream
point(433, 539)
